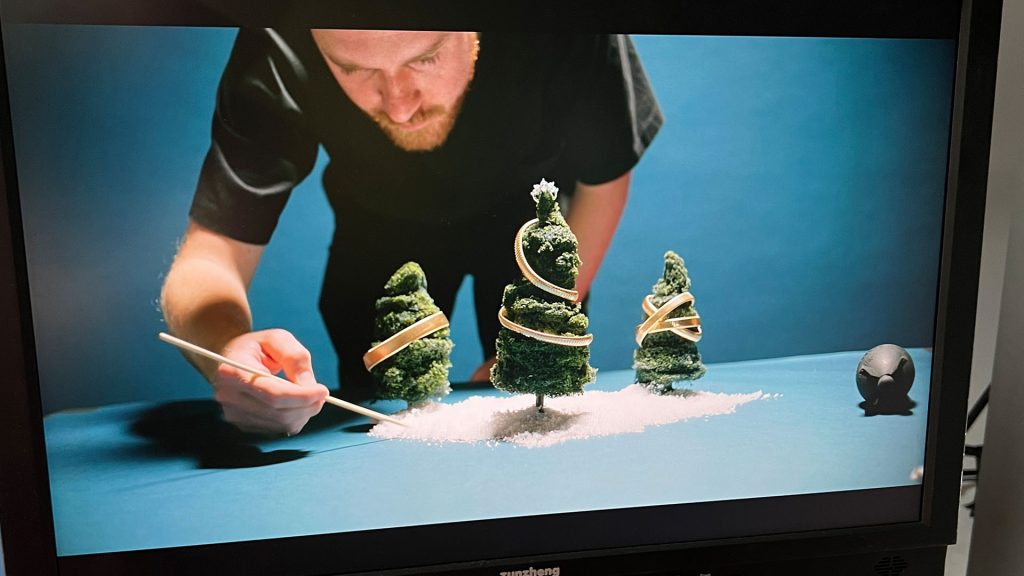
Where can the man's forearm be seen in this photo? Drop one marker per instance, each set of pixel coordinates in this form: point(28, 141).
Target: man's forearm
point(204, 296)
point(593, 216)
point(206, 306)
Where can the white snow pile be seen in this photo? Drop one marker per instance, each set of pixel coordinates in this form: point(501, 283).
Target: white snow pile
point(516, 420)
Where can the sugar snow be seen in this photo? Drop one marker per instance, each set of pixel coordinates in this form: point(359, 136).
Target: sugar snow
point(516, 420)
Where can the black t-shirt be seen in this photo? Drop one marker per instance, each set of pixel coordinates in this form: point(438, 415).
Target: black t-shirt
point(564, 107)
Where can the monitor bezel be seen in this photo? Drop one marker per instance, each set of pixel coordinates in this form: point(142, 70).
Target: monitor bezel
point(25, 512)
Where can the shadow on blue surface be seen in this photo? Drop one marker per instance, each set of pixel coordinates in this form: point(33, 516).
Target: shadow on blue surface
point(180, 475)
point(196, 429)
point(898, 407)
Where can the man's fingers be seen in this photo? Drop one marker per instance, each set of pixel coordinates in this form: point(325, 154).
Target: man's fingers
point(272, 393)
point(289, 355)
point(483, 372)
point(274, 350)
point(269, 403)
point(278, 393)
point(251, 414)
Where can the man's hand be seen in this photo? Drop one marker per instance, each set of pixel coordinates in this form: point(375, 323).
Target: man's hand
point(260, 404)
point(204, 301)
point(483, 373)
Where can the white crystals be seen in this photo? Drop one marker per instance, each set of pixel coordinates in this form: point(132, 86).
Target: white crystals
point(544, 186)
point(515, 420)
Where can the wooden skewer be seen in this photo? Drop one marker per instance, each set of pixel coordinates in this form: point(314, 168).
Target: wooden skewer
point(214, 356)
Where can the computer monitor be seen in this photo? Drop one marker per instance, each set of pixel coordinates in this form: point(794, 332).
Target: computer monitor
point(784, 394)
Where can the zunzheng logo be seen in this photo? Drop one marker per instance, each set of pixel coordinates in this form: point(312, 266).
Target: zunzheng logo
point(531, 571)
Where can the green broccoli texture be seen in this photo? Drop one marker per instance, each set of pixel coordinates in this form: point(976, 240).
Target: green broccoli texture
point(664, 358)
point(420, 371)
point(527, 365)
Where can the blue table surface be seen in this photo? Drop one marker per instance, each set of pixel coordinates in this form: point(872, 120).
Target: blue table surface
point(143, 475)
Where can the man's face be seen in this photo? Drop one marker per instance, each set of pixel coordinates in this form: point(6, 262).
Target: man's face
point(411, 83)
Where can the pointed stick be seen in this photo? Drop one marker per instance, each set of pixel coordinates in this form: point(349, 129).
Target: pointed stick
point(260, 372)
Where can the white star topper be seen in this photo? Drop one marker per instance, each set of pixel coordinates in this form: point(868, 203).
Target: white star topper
point(544, 186)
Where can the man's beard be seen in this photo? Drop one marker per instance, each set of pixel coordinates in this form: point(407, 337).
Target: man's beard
point(441, 121)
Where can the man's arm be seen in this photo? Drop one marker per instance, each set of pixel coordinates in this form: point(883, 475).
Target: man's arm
point(204, 295)
point(594, 214)
point(204, 301)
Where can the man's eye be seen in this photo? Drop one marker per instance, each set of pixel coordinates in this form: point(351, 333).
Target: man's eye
point(350, 70)
point(428, 60)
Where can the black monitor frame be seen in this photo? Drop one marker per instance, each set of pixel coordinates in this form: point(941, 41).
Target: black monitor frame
point(25, 512)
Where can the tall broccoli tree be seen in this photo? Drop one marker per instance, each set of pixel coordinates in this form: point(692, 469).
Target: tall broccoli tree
point(667, 339)
point(410, 357)
point(542, 346)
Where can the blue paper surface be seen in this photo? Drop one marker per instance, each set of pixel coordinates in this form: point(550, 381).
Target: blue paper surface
point(123, 479)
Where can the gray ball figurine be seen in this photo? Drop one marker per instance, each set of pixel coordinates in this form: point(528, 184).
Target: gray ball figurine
point(884, 377)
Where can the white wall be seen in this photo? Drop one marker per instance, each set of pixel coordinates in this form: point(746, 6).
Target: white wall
point(1005, 175)
point(999, 523)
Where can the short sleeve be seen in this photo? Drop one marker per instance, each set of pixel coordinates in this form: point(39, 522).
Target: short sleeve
point(616, 115)
point(260, 145)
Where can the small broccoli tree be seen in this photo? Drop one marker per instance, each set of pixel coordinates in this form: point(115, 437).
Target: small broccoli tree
point(667, 351)
point(542, 347)
point(418, 370)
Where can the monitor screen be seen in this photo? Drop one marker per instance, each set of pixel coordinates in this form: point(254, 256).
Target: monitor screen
point(686, 284)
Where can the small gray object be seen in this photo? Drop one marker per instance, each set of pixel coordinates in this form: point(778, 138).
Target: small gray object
point(884, 377)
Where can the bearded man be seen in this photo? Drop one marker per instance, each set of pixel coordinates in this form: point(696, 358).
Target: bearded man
point(434, 140)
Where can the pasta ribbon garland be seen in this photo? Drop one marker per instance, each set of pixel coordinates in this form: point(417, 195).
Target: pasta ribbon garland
point(687, 327)
point(531, 275)
point(403, 338)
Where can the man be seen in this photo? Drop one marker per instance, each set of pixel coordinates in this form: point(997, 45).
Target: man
point(435, 140)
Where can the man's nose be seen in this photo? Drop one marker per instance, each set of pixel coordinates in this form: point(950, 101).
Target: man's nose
point(401, 96)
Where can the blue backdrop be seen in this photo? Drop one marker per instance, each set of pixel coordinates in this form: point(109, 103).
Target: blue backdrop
point(802, 181)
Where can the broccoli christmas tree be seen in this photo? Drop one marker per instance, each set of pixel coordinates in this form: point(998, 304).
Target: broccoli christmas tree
point(543, 347)
point(410, 359)
point(668, 336)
